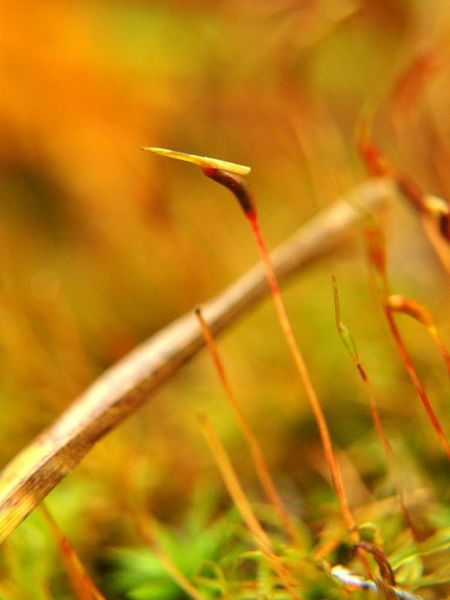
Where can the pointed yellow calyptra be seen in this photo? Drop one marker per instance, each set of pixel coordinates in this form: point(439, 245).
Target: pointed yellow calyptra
point(201, 161)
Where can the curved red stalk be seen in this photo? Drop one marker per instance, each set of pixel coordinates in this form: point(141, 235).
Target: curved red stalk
point(406, 359)
point(376, 251)
point(345, 335)
point(236, 185)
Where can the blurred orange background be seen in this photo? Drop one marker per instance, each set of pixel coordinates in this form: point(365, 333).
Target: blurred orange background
point(102, 244)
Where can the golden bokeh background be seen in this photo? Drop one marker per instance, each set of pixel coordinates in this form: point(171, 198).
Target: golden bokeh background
point(102, 244)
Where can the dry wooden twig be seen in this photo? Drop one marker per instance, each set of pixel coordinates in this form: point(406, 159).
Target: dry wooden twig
point(32, 474)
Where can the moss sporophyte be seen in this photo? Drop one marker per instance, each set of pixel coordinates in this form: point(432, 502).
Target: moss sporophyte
point(232, 180)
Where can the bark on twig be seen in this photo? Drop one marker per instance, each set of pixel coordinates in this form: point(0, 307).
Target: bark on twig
point(32, 474)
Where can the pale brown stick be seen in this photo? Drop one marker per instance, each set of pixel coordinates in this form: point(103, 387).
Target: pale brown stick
point(32, 474)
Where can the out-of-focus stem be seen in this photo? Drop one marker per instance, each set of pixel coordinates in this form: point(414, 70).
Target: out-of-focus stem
point(259, 461)
point(243, 505)
point(376, 251)
point(238, 187)
point(406, 359)
point(347, 339)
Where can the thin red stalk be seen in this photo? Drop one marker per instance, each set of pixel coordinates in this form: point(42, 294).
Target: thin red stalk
point(377, 164)
point(388, 453)
point(435, 212)
point(82, 585)
point(309, 387)
point(346, 338)
point(418, 312)
point(304, 375)
point(345, 335)
point(259, 461)
point(386, 571)
point(407, 362)
point(376, 250)
point(236, 185)
point(177, 575)
point(442, 348)
point(243, 505)
point(375, 415)
point(145, 530)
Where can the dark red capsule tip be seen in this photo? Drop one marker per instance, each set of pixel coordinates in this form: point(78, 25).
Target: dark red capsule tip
point(209, 171)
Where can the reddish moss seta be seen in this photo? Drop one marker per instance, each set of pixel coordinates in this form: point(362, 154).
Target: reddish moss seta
point(236, 186)
point(372, 158)
point(386, 571)
point(444, 226)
